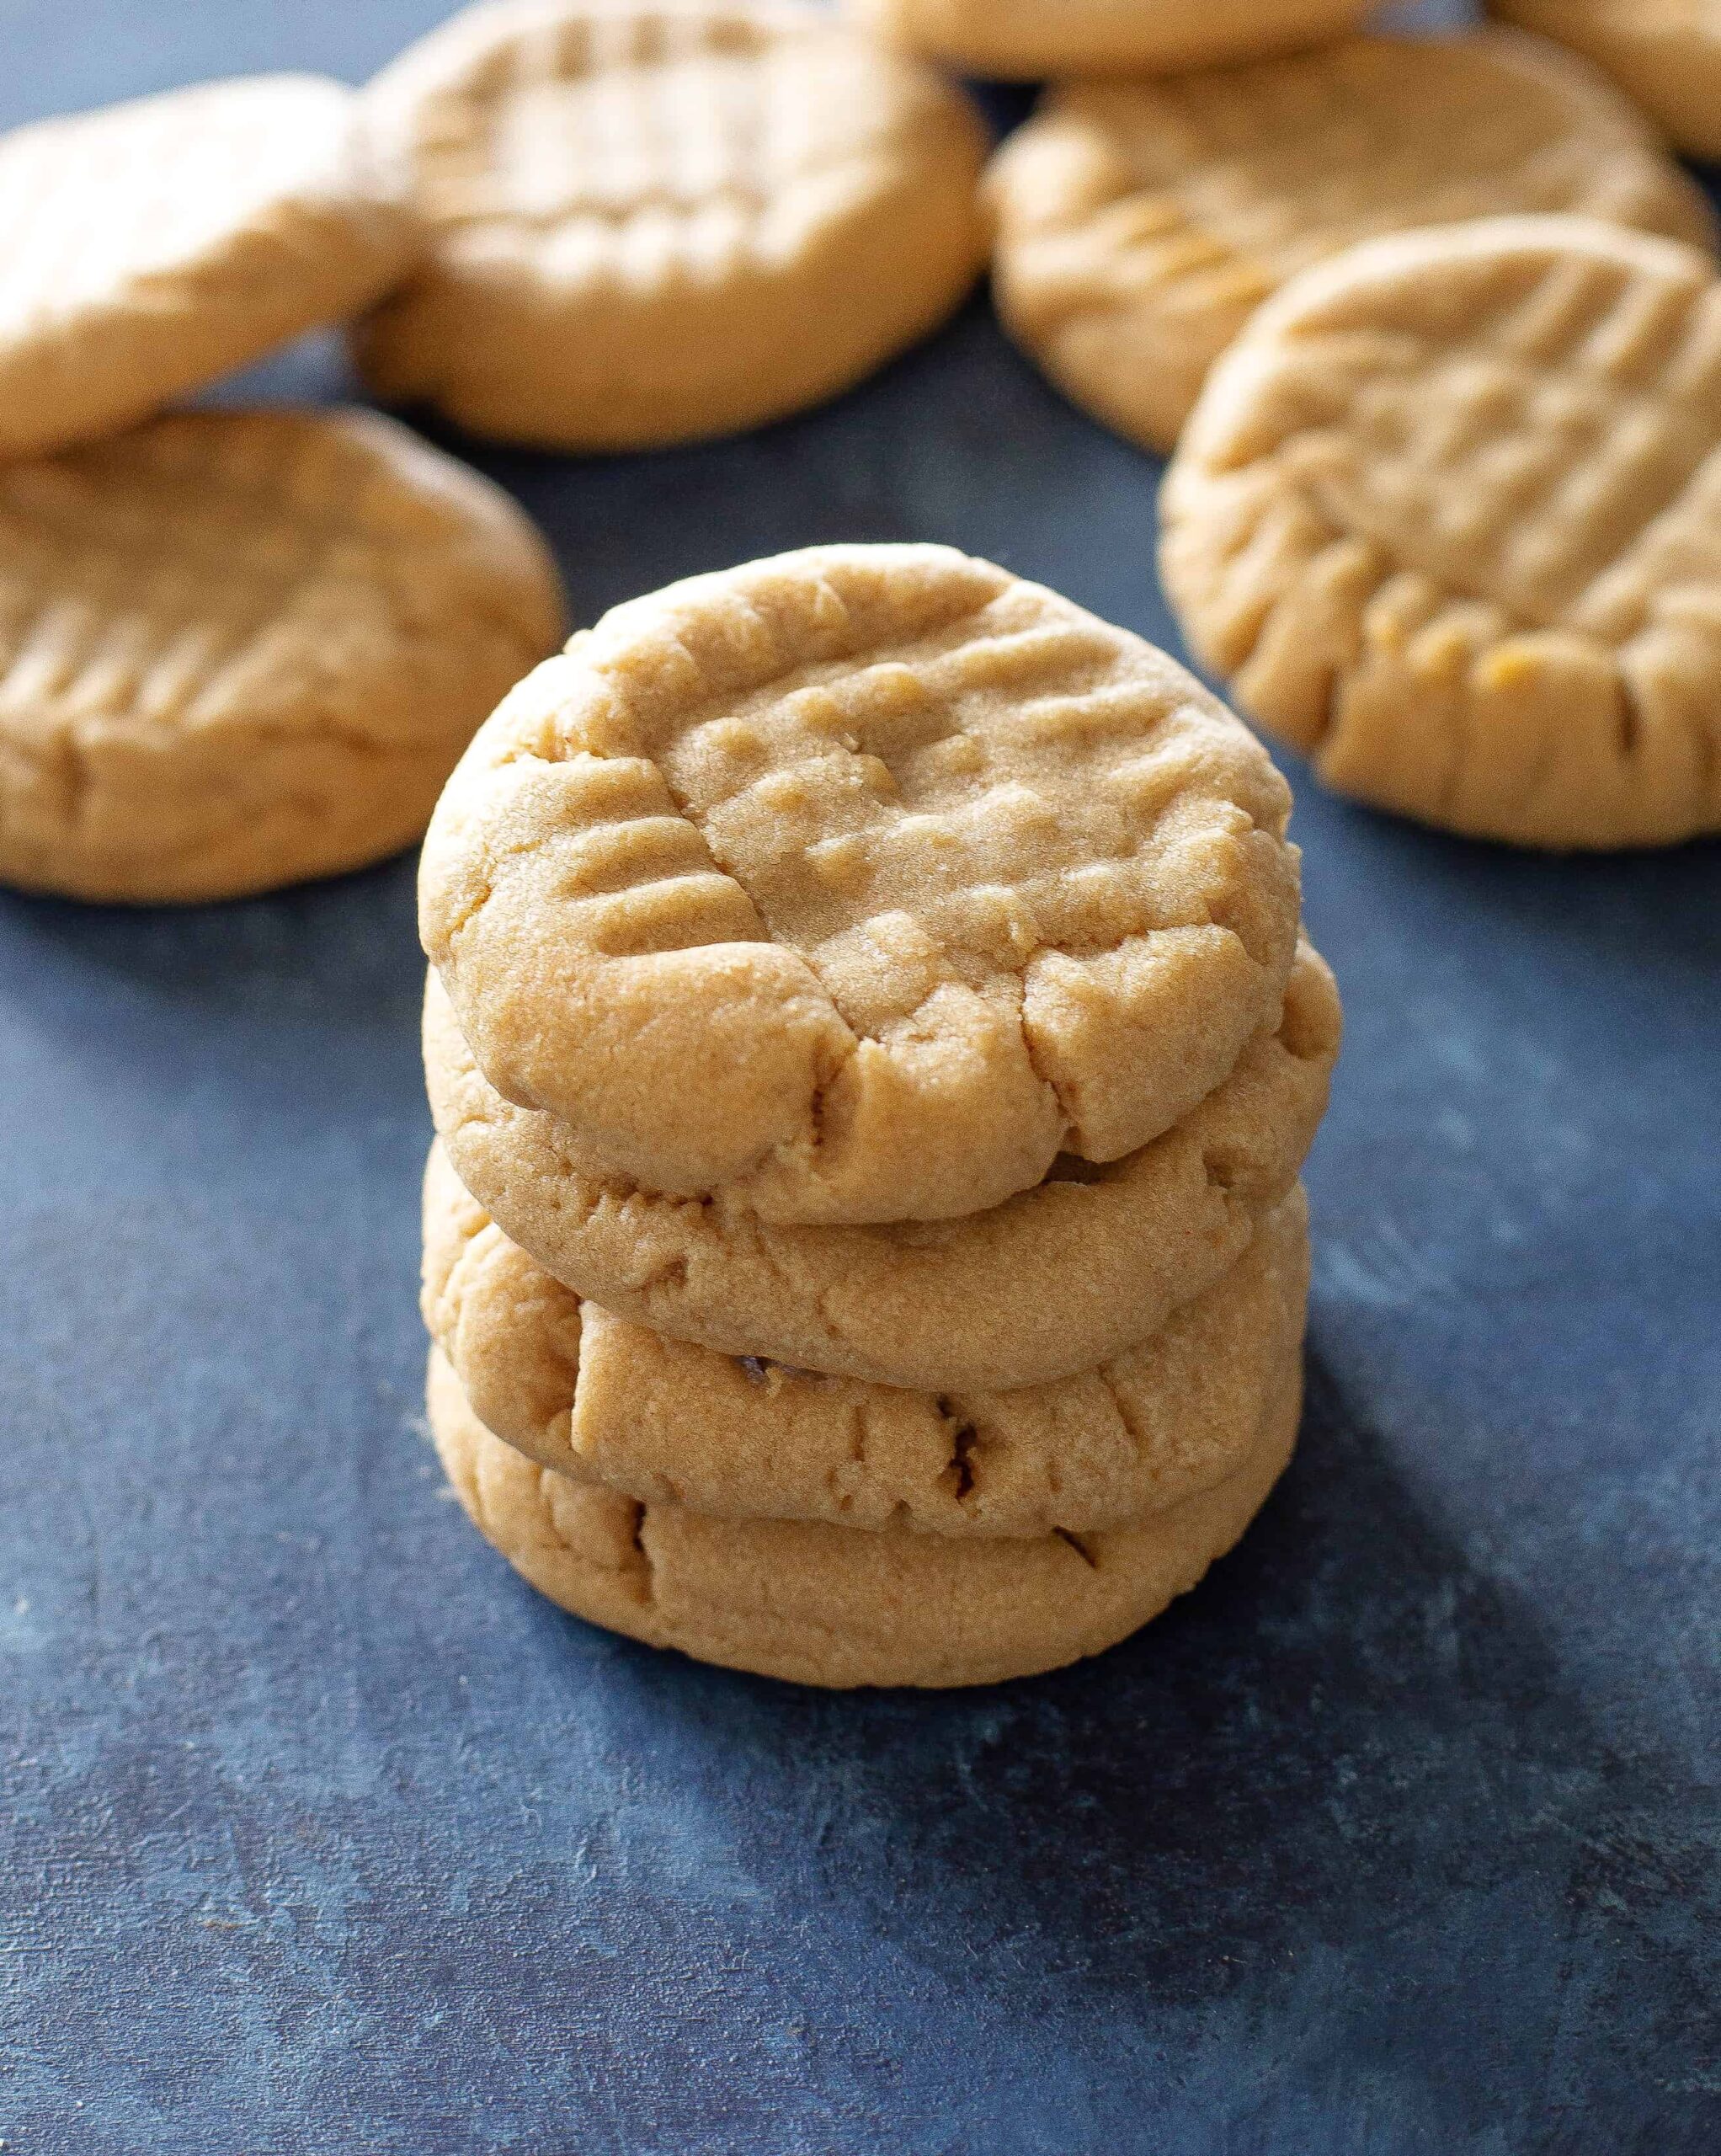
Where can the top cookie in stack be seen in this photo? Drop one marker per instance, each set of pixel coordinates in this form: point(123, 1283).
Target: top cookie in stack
point(865, 963)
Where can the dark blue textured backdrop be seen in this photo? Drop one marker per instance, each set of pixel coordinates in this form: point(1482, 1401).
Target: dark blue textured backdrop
point(321, 1832)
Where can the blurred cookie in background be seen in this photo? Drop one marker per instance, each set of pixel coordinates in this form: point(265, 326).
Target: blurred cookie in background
point(1665, 54)
point(1025, 39)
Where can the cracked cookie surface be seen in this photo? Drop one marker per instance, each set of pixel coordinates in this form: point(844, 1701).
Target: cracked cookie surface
point(604, 1401)
point(1665, 54)
point(240, 648)
point(656, 222)
point(1056, 1280)
point(148, 249)
point(1449, 519)
point(858, 885)
point(1138, 225)
point(825, 1605)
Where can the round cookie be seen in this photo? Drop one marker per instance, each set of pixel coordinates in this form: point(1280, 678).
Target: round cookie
point(239, 649)
point(150, 248)
point(601, 1399)
point(822, 1605)
point(1665, 54)
point(1024, 39)
point(1449, 516)
point(1057, 1279)
point(1137, 225)
point(654, 222)
point(857, 885)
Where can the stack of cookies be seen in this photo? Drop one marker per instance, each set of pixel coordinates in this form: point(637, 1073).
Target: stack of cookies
point(872, 1050)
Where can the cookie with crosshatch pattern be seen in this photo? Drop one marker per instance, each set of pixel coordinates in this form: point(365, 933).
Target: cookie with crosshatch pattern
point(859, 884)
point(607, 1401)
point(1138, 224)
point(149, 247)
point(656, 219)
point(1025, 39)
point(240, 648)
point(1448, 516)
point(828, 1605)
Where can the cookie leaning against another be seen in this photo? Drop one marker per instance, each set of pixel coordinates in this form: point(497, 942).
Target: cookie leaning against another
point(1665, 54)
point(603, 1401)
point(825, 1605)
point(239, 649)
point(1449, 516)
point(654, 222)
point(857, 885)
point(1026, 40)
point(1137, 225)
point(152, 247)
point(1056, 1280)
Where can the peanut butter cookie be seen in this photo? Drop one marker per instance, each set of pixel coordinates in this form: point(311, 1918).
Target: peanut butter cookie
point(857, 885)
point(823, 1605)
point(239, 649)
point(735, 1437)
point(1448, 515)
point(1139, 224)
point(657, 222)
point(1024, 39)
point(1665, 54)
point(1057, 1279)
point(150, 248)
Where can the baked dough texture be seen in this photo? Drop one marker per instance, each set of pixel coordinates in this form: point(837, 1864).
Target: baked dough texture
point(240, 648)
point(1023, 39)
point(858, 885)
point(1057, 1279)
point(150, 248)
point(823, 1605)
point(654, 222)
point(1448, 516)
point(1137, 225)
point(606, 1401)
point(1665, 54)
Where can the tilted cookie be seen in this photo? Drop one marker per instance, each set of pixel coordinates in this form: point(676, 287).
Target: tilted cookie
point(823, 1605)
point(150, 248)
point(654, 222)
point(1056, 1280)
point(1665, 54)
point(1449, 516)
point(238, 649)
point(1139, 224)
point(859, 884)
point(1024, 39)
point(603, 1401)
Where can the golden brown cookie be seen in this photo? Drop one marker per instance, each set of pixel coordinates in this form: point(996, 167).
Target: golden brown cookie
point(1057, 1279)
point(1449, 517)
point(657, 222)
point(825, 1605)
point(238, 649)
point(1139, 224)
point(858, 884)
point(1665, 54)
point(150, 248)
point(603, 1401)
point(1024, 39)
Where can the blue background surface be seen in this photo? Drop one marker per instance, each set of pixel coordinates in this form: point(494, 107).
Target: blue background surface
point(318, 1831)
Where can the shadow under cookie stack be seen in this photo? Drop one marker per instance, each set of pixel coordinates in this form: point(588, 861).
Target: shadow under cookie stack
point(872, 1050)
